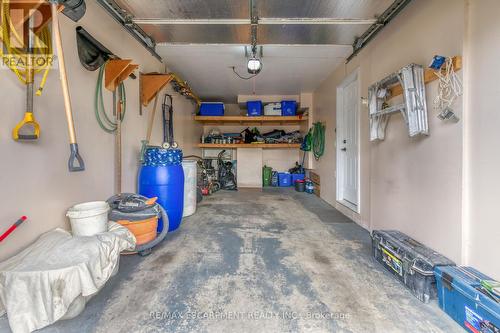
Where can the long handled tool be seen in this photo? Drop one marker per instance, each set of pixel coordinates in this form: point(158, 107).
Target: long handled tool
point(74, 156)
point(22, 129)
point(12, 228)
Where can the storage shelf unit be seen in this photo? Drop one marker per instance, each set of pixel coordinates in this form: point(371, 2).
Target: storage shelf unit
point(243, 120)
point(250, 145)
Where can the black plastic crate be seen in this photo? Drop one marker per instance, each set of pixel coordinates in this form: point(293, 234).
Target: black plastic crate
point(410, 261)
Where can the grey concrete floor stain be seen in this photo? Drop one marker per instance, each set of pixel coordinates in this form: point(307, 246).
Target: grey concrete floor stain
point(257, 253)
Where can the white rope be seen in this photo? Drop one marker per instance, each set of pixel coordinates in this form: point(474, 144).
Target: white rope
point(449, 86)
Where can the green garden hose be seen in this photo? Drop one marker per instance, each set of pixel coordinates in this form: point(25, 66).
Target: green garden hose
point(104, 121)
point(318, 140)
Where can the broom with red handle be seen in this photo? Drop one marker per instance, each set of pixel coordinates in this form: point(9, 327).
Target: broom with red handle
point(12, 228)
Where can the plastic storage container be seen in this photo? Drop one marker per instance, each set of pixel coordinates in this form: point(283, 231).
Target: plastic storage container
point(288, 108)
point(461, 296)
point(300, 185)
point(254, 108)
point(284, 179)
point(211, 109)
point(274, 179)
point(272, 109)
point(190, 169)
point(410, 261)
point(266, 175)
point(89, 218)
point(297, 176)
point(161, 175)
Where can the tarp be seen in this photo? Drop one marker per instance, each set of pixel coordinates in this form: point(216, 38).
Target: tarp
point(54, 277)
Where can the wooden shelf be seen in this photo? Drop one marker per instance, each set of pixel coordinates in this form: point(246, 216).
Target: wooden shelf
point(251, 145)
point(244, 120)
point(429, 76)
point(117, 71)
point(151, 85)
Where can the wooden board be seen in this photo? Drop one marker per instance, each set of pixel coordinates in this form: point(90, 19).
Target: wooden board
point(151, 85)
point(250, 120)
point(117, 71)
point(429, 76)
point(251, 145)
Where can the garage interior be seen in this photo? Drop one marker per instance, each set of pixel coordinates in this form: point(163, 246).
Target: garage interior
point(273, 166)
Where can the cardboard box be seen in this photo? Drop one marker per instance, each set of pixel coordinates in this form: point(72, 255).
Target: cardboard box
point(314, 177)
point(317, 189)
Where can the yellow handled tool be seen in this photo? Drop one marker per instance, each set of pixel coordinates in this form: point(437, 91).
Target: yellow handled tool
point(28, 121)
point(28, 124)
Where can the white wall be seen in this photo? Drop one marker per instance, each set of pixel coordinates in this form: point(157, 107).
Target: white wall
point(34, 176)
point(442, 189)
point(413, 185)
point(482, 138)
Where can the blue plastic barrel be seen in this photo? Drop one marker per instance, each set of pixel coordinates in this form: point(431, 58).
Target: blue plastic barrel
point(162, 176)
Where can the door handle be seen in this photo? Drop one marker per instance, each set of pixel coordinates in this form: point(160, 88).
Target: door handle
point(344, 149)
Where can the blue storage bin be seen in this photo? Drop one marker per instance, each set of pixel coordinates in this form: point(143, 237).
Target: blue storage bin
point(288, 108)
point(460, 296)
point(254, 108)
point(297, 176)
point(211, 109)
point(284, 179)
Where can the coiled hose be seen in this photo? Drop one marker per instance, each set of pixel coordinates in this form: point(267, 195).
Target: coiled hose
point(318, 140)
point(104, 121)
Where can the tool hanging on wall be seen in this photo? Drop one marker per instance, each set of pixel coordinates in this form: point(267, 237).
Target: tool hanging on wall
point(449, 87)
point(21, 62)
point(413, 109)
point(168, 123)
point(92, 54)
point(74, 155)
point(28, 128)
point(114, 72)
point(106, 122)
point(318, 140)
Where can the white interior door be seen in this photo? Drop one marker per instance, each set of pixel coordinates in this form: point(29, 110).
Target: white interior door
point(348, 142)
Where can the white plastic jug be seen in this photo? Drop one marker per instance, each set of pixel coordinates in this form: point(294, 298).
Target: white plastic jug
point(190, 175)
point(89, 218)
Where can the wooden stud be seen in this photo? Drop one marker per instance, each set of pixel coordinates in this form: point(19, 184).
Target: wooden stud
point(429, 76)
point(117, 71)
point(151, 85)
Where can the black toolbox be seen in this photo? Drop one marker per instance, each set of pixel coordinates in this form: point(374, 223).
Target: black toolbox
point(410, 261)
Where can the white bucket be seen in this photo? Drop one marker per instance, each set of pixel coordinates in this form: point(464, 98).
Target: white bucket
point(88, 219)
point(190, 175)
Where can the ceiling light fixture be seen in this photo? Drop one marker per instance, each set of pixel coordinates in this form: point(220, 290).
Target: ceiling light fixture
point(254, 65)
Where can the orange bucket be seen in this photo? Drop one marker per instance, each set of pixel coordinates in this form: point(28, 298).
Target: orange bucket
point(143, 230)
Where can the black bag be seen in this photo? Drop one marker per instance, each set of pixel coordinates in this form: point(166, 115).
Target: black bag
point(92, 54)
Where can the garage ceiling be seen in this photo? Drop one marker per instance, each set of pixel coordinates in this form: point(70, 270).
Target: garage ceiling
point(288, 70)
point(303, 41)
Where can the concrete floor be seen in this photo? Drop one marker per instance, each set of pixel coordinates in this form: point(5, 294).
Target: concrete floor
point(258, 261)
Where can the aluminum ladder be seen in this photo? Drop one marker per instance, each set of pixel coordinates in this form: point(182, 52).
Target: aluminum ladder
point(413, 108)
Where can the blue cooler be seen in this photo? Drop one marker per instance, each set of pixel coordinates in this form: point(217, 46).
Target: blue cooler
point(254, 108)
point(463, 298)
point(211, 109)
point(288, 108)
point(284, 179)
